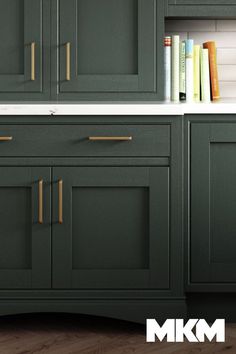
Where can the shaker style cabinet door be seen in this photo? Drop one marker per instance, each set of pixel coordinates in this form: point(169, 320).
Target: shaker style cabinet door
point(213, 203)
point(25, 244)
point(108, 46)
point(21, 51)
point(111, 228)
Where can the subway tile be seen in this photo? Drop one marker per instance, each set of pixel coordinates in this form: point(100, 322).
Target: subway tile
point(226, 25)
point(227, 72)
point(190, 25)
point(222, 40)
point(226, 56)
point(228, 89)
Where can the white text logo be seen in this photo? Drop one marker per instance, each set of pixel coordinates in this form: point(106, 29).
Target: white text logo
point(176, 331)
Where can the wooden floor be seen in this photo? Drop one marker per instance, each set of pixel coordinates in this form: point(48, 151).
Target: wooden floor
point(72, 334)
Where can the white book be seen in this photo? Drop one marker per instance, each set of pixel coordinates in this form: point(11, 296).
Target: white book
point(167, 67)
point(205, 76)
point(175, 69)
point(196, 65)
point(189, 71)
point(182, 72)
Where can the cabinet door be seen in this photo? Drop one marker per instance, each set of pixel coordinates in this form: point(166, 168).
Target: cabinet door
point(213, 203)
point(114, 230)
point(25, 249)
point(108, 46)
point(21, 46)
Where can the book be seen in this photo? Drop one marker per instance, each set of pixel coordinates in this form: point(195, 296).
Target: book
point(196, 73)
point(167, 67)
point(215, 90)
point(175, 69)
point(182, 72)
point(189, 70)
point(205, 76)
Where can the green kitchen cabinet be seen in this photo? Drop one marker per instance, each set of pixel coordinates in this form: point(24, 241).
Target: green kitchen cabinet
point(202, 8)
point(212, 222)
point(25, 236)
point(112, 230)
point(24, 47)
point(108, 49)
point(90, 216)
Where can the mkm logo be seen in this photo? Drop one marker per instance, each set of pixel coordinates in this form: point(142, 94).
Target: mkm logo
point(175, 330)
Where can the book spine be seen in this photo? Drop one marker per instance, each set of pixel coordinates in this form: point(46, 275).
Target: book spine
point(205, 76)
point(189, 70)
point(182, 73)
point(167, 67)
point(196, 69)
point(175, 69)
point(215, 90)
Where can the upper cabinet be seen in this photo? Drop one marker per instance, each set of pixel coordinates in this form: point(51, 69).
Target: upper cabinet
point(109, 49)
point(202, 8)
point(24, 65)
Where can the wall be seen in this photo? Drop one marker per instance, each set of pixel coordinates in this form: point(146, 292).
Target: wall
point(221, 31)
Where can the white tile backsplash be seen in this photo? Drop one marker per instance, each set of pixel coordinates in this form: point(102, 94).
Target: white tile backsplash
point(223, 32)
point(227, 72)
point(226, 56)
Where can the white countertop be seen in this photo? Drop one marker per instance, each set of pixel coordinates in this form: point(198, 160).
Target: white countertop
point(106, 108)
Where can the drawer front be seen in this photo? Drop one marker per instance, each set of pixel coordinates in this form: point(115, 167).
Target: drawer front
point(84, 140)
point(202, 2)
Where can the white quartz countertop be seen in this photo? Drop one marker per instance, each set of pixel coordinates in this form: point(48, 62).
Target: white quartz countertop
point(121, 108)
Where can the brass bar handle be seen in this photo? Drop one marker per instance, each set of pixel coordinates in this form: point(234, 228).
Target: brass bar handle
point(68, 59)
point(6, 138)
point(110, 138)
point(40, 206)
point(33, 61)
point(60, 201)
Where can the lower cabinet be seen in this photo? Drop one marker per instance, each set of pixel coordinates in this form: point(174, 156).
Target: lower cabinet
point(90, 216)
point(25, 228)
point(112, 227)
point(213, 204)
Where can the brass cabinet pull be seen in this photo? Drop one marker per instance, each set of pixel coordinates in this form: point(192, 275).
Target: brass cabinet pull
point(40, 206)
point(68, 48)
point(33, 61)
point(60, 201)
point(110, 138)
point(6, 138)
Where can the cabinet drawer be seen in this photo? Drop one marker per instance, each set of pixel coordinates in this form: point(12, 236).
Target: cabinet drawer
point(202, 2)
point(84, 140)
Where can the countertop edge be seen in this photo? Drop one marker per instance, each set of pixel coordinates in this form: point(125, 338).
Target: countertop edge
point(159, 109)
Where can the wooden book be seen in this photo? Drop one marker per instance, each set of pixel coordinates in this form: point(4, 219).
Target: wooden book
point(215, 90)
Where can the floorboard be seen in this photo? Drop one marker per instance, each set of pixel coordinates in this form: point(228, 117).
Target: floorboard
point(73, 334)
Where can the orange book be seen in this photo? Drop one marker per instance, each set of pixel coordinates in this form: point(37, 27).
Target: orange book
point(215, 90)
